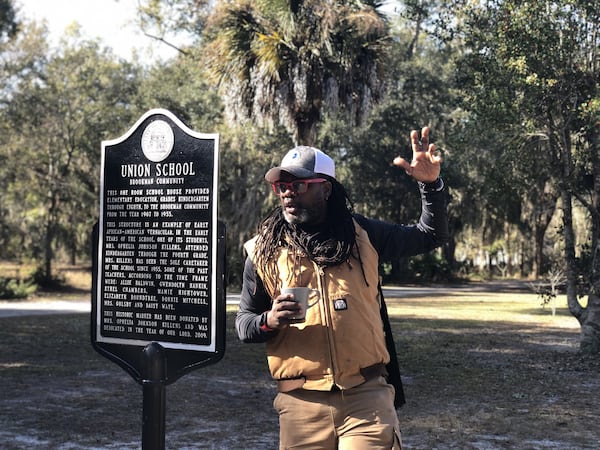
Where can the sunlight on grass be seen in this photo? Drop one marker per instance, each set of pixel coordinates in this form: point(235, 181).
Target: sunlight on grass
point(486, 307)
point(13, 270)
point(13, 365)
point(78, 276)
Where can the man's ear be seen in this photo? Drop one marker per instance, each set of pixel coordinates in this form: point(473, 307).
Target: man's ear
point(327, 189)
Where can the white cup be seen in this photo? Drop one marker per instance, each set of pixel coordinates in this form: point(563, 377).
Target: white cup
point(301, 295)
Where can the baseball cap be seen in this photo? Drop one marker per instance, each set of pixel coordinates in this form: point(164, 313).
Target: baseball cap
point(303, 162)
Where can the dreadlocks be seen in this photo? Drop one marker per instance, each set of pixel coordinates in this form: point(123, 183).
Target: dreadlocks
point(332, 244)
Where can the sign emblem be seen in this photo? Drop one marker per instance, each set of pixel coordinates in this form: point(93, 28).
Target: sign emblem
point(157, 140)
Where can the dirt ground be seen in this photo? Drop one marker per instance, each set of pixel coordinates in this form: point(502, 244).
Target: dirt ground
point(499, 385)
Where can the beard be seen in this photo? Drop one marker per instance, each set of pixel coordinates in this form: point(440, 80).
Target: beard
point(301, 216)
point(298, 214)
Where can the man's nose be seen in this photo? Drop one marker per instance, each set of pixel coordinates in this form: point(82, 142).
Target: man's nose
point(289, 192)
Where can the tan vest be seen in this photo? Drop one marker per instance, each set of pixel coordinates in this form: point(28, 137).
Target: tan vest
point(342, 334)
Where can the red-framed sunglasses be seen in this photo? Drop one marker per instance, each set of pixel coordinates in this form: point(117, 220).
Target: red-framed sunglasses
point(297, 186)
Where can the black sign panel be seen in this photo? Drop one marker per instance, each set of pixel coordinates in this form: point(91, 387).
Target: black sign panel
point(158, 268)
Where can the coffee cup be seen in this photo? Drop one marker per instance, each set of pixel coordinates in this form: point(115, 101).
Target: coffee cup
point(301, 295)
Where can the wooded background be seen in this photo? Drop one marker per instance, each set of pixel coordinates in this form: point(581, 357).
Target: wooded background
point(509, 88)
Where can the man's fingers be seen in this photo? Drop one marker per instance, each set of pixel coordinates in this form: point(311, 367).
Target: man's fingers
point(420, 145)
point(401, 162)
point(424, 138)
point(432, 150)
point(435, 156)
point(414, 138)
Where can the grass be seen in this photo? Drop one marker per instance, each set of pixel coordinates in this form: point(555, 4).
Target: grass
point(493, 370)
point(485, 307)
point(76, 280)
point(481, 371)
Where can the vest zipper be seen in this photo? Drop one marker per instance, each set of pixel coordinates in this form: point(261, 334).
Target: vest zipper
point(328, 320)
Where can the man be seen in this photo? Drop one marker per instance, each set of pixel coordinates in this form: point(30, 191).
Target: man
point(331, 368)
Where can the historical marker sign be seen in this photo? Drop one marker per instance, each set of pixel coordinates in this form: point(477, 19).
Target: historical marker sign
point(160, 249)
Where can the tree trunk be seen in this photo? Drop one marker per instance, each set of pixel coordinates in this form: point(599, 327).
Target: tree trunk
point(544, 207)
point(399, 272)
point(306, 130)
point(449, 251)
point(590, 333)
point(588, 317)
point(569, 238)
point(48, 238)
point(590, 327)
point(51, 226)
point(410, 51)
point(539, 234)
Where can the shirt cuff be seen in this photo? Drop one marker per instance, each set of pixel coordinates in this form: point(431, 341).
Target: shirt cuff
point(436, 186)
point(263, 323)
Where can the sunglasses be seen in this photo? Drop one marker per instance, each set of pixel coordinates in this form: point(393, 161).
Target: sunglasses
point(297, 187)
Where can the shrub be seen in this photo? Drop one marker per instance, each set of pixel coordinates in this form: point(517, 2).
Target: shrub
point(11, 288)
point(430, 267)
point(40, 278)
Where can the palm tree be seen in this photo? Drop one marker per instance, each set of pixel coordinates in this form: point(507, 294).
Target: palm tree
point(291, 61)
point(8, 22)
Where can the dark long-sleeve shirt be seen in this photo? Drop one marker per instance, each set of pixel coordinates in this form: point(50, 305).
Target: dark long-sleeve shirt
point(389, 240)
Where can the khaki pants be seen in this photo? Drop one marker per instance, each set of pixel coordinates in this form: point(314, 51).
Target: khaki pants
point(361, 418)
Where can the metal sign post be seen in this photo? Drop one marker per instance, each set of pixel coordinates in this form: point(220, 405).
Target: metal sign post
point(155, 398)
point(158, 290)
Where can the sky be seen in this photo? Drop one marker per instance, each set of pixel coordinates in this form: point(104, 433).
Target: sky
point(113, 21)
point(110, 20)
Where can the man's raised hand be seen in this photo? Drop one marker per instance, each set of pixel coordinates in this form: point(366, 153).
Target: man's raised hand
point(425, 164)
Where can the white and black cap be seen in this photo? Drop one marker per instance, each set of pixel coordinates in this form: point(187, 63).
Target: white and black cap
point(303, 162)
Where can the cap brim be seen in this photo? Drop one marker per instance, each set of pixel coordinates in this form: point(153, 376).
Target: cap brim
point(274, 174)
